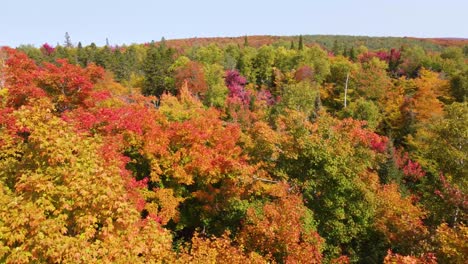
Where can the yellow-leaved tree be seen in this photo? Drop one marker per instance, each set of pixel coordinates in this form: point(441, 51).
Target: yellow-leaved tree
point(61, 200)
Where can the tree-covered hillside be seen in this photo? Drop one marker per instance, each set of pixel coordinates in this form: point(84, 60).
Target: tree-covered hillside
point(257, 149)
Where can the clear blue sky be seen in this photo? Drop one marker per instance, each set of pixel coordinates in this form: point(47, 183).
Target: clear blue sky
point(136, 21)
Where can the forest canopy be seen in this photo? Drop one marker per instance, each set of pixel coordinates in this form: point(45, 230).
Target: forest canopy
point(258, 149)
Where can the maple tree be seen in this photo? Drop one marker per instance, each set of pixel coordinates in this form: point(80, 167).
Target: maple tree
point(19, 75)
point(283, 229)
point(67, 85)
point(47, 49)
point(191, 73)
point(400, 220)
point(202, 163)
point(236, 83)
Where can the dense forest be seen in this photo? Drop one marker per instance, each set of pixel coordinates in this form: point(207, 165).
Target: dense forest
point(256, 149)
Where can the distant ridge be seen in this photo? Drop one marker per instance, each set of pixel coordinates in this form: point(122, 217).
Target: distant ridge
point(326, 41)
point(449, 41)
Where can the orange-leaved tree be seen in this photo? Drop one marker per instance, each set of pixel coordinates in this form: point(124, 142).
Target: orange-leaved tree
point(400, 220)
point(283, 229)
point(429, 90)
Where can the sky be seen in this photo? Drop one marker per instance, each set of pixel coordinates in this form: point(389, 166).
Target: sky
point(138, 21)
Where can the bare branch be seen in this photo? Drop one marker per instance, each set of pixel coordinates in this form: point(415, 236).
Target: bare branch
point(264, 180)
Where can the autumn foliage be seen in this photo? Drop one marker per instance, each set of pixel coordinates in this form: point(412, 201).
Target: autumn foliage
point(239, 151)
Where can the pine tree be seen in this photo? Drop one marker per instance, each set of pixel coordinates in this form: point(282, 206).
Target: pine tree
point(246, 41)
point(158, 75)
point(292, 45)
point(301, 44)
point(68, 43)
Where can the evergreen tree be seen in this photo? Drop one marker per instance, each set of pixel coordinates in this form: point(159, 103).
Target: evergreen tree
point(301, 44)
point(68, 43)
point(90, 52)
point(157, 73)
point(246, 41)
point(292, 45)
point(162, 43)
point(103, 57)
point(119, 66)
point(79, 55)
